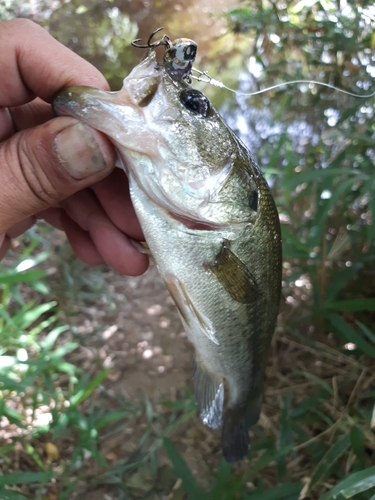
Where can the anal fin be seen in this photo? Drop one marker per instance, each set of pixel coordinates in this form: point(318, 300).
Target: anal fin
point(190, 315)
point(209, 395)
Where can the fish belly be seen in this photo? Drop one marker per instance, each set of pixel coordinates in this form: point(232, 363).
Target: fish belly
point(217, 325)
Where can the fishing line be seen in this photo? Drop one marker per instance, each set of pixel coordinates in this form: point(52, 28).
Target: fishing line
point(217, 83)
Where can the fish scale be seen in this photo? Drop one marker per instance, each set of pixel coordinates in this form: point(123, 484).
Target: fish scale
point(210, 222)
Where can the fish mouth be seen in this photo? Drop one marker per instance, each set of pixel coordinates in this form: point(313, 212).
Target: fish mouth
point(200, 225)
point(194, 224)
point(93, 106)
point(113, 113)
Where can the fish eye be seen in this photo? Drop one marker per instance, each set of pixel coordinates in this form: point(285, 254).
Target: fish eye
point(195, 101)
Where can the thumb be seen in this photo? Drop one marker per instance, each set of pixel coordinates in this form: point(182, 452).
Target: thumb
point(43, 165)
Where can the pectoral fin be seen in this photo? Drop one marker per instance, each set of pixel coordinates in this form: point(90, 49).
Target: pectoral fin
point(235, 277)
point(209, 395)
point(189, 313)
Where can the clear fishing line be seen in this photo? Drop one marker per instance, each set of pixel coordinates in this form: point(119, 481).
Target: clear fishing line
point(204, 77)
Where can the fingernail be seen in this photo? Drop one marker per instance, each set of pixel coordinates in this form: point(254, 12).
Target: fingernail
point(78, 151)
point(140, 247)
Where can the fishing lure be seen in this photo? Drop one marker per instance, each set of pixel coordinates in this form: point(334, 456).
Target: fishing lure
point(179, 55)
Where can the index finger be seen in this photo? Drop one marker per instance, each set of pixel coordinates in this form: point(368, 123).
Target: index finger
point(33, 64)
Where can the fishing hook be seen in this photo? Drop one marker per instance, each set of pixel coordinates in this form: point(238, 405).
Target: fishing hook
point(165, 40)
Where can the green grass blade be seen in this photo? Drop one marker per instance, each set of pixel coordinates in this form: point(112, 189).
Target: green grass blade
point(51, 338)
point(27, 277)
point(271, 456)
point(357, 440)
point(317, 380)
point(340, 281)
point(26, 477)
point(320, 174)
point(33, 261)
point(324, 467)
point(118, 415)
point(286, 435)
point(352, 305)
point(61, 351)
point(225, 485)
point(371, 227)
point(87, 391)
point(184, 473)
point(350, 335)
point(12, 415)
point(358, 482)
point(31, 316)
point(10, 495)
point(288, 491)
point(369, 334)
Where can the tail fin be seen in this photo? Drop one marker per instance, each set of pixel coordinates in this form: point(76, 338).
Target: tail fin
point(235, 435)
point(235, 441)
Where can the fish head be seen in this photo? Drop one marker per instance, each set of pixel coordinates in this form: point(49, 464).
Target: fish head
point(170, 138)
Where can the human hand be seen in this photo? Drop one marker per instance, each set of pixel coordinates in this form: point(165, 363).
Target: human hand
point(59, 169)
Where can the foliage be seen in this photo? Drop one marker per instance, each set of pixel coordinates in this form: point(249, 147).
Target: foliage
point(41, 393)
point(315, 438)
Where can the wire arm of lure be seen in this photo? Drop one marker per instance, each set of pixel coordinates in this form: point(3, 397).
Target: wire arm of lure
point(165, 40)
point(204, 77)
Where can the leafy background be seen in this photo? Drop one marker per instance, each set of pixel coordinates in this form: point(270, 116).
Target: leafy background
point(60, 405)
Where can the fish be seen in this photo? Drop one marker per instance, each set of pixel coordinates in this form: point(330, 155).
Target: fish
point(209, 220)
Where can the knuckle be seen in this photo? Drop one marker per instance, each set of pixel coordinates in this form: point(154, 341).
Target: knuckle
point(12, 27)
point(34, 159)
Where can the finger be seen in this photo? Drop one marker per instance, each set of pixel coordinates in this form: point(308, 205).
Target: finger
point(21, 227)
point(52, 216)
point(43, 165)
point(4, 245)
point(28, 115)
point(114, 246)
point(113, 194)
point(6, 124)
point(32, 114)
point(81, 242)
point(33, 64)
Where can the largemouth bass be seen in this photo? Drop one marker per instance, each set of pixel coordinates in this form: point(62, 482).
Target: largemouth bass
point(209, 220)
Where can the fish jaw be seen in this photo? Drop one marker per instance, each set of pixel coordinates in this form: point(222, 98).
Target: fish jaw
point(112, 113)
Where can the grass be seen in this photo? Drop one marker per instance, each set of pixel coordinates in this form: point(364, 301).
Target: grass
point(42, 394)
point(315, 438)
